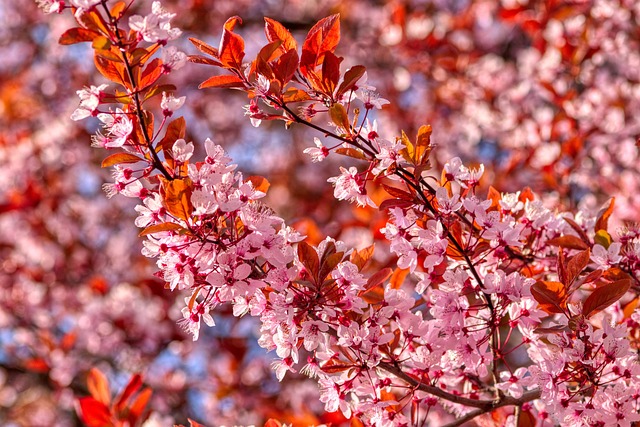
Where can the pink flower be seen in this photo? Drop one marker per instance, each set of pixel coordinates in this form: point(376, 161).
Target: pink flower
point(89, 101)
point(351, 186)
point(318, 153)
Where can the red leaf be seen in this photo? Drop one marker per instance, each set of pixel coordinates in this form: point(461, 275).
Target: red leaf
point(259, 183)
point(604, 296)
point(77, 35)
point(603, 216)
point(119, 158)
point(551, 296)
point(275, 31)
point(177, 197)
point(398, 276)
point(322, 38)
point(231, 49)
point(351, 77)
point(575, 265)
point(98, 386)
point(272, 423)
point(285, 67)
point(151, 73)
point(222, 81)
point(330, 72)
point(569, 241)
point(94, 413)
point(175, 131)
point(133, 386)
point(110, 69)
point(204, 48)
point(137, 406)
point(309, 258)
point(378, 278)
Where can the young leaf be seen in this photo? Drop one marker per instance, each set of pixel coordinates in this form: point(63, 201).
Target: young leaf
point(132, 387)
point(603, 216)
point(309, 258)
point(575, 265)
point(204, 48)
point(339, 115)
point(259, 183)
point(157, 228)
point(77, 35)
point(231, 51)
point(119, 158)
point(222, 81)
point(360, 257)
point(94, 413)
point(176, 130)
point(569, 242)
point(322, 38)
point(350, 79)
point(99, 386)
point(276, 31)
point(151, 73)
point(378, 278)
point(604, 296)
point(177, 197)
point(423, 144)
point(550, 295)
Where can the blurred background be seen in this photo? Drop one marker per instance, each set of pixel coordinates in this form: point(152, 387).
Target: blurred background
point(544, 93)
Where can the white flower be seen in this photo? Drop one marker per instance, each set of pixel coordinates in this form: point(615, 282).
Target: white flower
point(89, 101)
point(169, 104)
point(182, 151)
point(318, 153)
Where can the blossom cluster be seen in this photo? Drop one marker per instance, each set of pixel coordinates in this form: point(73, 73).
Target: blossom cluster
point(493, 302)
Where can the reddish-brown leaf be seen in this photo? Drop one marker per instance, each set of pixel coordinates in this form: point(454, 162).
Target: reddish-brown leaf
point(275, 31)
point(157, 228)
point(285, 67)
point(259, 183)
point(222, 81)
point(151, 73)
point(231, 51)
point(398, 276)
point(119, 158)
point(576, 227)
point(322, 38)
point(551, 296)
point(603, 216)
point(330, 72)
point(575, 265)
point(175, 130)
point(398, 193)
point(94, 413)
point(309, 258)
point(197, 424)
point(199, 59)
point(360, 257)
point(77, 35)
point(98, 386)
point(111, 70)
point(378, 278)
point(139, 404)
point(350, 79)
point(132, 387)
point(569, 241)
point(605, 295)
point(204, 47)
point(339, 115)
point(351, 152)
point(177, 197)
